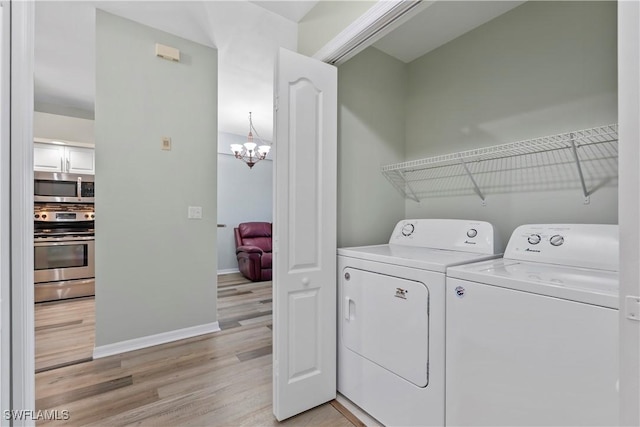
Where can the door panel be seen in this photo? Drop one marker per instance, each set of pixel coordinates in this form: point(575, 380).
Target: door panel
point(304, 235)
point(516, 358)
point(386, 320)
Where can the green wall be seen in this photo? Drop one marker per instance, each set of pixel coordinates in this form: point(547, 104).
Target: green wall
point(371, 109)
point(155, 269)
point(540, 69)
point(326, 20)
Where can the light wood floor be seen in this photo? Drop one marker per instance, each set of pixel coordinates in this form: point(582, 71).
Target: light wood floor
point(220, 379)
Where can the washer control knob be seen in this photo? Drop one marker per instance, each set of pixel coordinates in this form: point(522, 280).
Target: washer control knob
point(407, 229)
point(472, 232)
point(534, 239)
point(556, 240)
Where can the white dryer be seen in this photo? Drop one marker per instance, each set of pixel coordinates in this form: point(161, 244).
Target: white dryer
point(391, 317)
point(532, 338)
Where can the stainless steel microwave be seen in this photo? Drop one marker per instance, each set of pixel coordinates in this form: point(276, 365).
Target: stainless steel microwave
point(56, 187)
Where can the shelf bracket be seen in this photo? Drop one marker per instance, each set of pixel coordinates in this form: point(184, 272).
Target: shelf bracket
point(473, 181)
point(406, 182)
point(574, 150)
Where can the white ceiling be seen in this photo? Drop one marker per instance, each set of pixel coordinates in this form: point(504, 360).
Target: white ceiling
point(247, 35)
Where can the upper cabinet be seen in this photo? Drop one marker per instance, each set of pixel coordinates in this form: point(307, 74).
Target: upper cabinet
point(63, 158)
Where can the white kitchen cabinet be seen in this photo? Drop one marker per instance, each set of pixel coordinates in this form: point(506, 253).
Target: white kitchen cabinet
point(63, 158)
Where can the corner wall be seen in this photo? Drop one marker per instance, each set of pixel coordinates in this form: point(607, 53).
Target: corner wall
point(371, 109)
point(326, 20)
point(540, 69)
point(155, 269)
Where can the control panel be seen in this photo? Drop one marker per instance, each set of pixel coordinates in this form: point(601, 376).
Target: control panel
point(448, 234)
point(578, 245)
point(64, 216)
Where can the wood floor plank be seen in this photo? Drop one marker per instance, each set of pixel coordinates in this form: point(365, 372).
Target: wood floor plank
point(81, 393)
point(259, 352)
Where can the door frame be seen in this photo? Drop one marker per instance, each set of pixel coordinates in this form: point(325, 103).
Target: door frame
point(629, 208)
point(5, 164)
point(17, 213)
point(22, 389)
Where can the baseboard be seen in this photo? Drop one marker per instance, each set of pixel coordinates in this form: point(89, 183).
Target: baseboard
point(151, 340)
point(228, 271)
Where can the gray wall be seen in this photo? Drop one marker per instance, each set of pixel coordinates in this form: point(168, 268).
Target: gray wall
point(244, 195)
point(540, 69)
point(155, 269)
point(371, 109)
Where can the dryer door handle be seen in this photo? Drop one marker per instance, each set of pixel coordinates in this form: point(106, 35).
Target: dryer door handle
point(348, 302)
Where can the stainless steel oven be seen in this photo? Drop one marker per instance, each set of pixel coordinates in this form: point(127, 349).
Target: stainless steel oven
point(63, 251)
point(56, 187)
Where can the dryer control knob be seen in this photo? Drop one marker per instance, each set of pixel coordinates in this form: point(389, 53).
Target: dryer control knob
point(472, 233)
point(534, 239)
point(556, 240)
point(407, 229)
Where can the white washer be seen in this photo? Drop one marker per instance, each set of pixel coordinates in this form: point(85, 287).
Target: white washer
point(391, 317)
point(532, 339)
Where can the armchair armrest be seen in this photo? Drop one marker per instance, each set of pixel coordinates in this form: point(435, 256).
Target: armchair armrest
point(249, 249)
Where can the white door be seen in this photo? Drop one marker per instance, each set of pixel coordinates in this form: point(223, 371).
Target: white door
point(304, 234)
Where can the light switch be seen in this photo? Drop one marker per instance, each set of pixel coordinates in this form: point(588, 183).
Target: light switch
point(195, 212)
point(166, 143)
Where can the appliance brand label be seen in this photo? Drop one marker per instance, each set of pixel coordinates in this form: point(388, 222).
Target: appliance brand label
point(469, 243)
point(401, 293)
point(460, 291)
point(532, 250)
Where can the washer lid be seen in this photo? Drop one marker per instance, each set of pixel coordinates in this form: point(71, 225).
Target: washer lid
point(597, 287)
point(415, 257)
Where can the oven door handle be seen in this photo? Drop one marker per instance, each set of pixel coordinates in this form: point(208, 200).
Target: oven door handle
point(53, 241)
point(79, 185)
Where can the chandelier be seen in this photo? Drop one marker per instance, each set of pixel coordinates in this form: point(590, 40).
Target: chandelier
point(248, 152)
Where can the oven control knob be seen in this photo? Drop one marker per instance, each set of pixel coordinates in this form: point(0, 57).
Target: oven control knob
point(407, 229)
point(556, 240)
point(37, 215)
point(92, 216)
point(86, 215)
point(534, 239)
point(44, 216)
point(472, 233)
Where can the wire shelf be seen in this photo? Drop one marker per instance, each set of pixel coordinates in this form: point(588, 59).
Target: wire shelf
point(585, 159)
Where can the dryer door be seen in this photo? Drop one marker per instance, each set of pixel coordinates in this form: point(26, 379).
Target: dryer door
point(386, 320)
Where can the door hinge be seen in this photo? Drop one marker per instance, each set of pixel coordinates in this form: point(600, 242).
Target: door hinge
point(632, 308)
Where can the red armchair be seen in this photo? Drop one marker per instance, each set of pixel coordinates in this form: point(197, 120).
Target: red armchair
point(253, 249)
